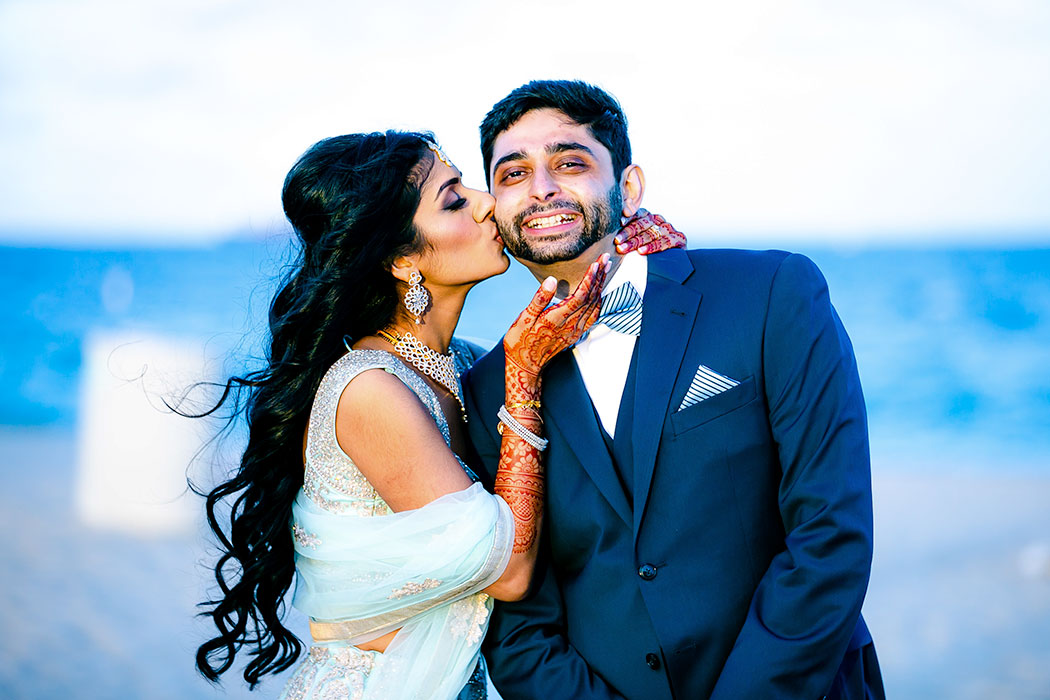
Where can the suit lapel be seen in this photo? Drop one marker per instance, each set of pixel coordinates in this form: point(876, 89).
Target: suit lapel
point(667, 321)
point(568, 406)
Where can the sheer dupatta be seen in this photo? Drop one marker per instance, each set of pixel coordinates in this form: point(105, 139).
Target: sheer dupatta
point(420, 571)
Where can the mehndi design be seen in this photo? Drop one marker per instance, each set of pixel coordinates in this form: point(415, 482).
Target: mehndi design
point(648, 233)
point(538, 334)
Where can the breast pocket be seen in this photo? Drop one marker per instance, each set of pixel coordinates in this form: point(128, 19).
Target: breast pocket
point(714, 407)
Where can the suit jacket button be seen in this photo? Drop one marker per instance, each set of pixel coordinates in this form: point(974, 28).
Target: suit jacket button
point(652, 661)
point(647, 572)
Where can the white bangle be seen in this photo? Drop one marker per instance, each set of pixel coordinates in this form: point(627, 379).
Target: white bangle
point(520, 430)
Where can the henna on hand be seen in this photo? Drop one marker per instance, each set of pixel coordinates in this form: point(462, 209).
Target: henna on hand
point(648, 233)
point(538, 334)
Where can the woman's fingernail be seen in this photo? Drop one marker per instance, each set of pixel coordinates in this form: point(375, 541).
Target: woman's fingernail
point(550, 284)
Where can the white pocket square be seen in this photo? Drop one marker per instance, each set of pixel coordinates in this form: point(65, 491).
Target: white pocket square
point(706, 383)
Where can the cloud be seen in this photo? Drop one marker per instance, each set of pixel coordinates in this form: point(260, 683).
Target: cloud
point(181, 119)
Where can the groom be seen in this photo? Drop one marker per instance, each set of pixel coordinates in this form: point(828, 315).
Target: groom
point(708, 526)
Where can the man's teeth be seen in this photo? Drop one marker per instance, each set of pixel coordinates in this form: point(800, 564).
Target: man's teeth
point(548, 221)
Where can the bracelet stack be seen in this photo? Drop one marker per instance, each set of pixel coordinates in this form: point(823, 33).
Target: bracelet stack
point(525, 404)
point(520, 430)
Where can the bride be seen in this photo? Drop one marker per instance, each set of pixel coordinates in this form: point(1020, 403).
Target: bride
point(355, 481)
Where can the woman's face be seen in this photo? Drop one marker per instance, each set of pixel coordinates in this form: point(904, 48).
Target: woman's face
point(462, 244)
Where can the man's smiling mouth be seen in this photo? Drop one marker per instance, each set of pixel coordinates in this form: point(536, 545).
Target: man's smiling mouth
point(542, 222)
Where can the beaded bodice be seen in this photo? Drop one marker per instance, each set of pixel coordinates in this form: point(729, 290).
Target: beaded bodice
point(332, 480)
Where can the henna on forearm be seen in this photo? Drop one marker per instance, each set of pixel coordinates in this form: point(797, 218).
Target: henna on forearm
point(519, 477)
point(538, 334)
point(521, 385)
point(519, 481)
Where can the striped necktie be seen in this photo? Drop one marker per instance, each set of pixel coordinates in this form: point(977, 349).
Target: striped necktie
point(622, 310)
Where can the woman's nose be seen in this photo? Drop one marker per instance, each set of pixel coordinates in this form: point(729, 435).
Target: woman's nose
point(484, 206)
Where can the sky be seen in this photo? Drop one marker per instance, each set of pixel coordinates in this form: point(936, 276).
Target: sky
point(164, 122)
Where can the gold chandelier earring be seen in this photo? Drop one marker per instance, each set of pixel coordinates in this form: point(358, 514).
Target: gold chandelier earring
point(417, 297)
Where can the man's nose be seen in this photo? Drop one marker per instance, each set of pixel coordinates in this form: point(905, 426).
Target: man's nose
point(543, 186)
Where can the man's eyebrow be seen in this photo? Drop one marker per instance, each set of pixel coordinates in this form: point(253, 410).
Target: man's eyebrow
point(516, 155)
point(568, 146)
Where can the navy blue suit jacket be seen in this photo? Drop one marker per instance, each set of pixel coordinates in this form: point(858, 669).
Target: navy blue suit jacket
point(752, 507)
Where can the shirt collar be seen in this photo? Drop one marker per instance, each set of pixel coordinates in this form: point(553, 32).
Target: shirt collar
point(634, 268)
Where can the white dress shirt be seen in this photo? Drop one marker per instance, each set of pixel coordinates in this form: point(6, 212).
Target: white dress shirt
point(604, 356)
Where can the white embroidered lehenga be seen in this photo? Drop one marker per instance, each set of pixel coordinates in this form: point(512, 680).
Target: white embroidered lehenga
point(363, 570)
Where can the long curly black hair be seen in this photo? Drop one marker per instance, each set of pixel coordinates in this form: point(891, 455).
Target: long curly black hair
point(351, 201)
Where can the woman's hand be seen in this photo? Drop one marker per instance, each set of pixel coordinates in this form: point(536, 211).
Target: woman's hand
point(540, 333)
point(648, 233)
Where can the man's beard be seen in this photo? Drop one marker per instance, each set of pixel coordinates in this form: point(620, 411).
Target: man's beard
point(597, 224)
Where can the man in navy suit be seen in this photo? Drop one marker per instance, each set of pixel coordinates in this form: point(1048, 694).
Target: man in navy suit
point(708, 515)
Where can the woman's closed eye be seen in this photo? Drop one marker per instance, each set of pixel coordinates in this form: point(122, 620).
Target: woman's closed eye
point(457, 204)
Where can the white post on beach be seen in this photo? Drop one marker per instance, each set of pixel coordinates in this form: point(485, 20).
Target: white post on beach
point(134, 454)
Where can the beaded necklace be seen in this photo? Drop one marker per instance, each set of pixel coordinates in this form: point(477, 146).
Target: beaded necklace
point(440, 368)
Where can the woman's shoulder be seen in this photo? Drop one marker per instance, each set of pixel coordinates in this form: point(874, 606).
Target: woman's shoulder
point(342, 377)
point(354, 362)
point(396, 385)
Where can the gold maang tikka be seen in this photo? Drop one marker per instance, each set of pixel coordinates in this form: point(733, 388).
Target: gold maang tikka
point(439, 153)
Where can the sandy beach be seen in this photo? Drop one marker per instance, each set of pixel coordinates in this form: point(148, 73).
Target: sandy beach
point(959, 601)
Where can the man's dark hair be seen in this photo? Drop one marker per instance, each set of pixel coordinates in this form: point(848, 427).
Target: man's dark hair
point(585, 104)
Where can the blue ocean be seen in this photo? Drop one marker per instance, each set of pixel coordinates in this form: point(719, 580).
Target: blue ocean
point(953, 348)
point(953, 345)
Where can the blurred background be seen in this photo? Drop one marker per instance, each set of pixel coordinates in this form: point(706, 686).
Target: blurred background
point(901, 145)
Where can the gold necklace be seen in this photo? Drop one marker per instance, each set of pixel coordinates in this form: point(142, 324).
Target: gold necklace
point(440, 368)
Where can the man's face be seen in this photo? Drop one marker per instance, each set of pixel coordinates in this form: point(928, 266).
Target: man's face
point(555, 191)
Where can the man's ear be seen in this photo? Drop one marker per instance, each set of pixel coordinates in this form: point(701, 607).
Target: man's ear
point(402, 267)
point(632, 189)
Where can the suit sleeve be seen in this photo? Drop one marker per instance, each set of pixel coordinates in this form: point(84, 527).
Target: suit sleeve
point(526, 648)
point(808, 601)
